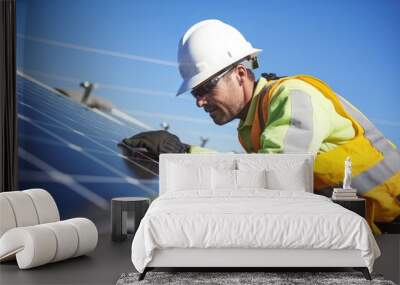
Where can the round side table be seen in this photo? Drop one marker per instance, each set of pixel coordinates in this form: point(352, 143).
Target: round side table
point(126, 210)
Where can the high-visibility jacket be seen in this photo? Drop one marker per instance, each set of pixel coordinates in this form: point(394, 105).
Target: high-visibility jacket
point(303, 114)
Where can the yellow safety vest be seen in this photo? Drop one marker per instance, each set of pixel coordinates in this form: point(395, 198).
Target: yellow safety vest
point(375, 161)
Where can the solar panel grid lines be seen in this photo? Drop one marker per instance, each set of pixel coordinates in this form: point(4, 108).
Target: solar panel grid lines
point(77, 148)
point(80, 124)
point(69, 101)
point(73, 152)
point(21, 74)
point(44, 124)
point(49, 142)
point(34, 175)
point(69, 144)
point(67, 104)
point(76, 124)
point(64, 179)
point(109, 117)
point(78, 117)
point(68, 137)
point(42, 139)
point(70, 128)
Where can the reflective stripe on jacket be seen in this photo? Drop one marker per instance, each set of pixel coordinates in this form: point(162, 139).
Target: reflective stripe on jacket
point(289, 116)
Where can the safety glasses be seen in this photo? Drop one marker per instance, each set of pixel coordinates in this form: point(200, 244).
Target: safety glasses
point(209, 85)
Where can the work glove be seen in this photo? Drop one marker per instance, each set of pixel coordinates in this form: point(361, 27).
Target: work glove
point(156, 142)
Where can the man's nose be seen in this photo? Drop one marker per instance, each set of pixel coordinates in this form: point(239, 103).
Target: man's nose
point(201, 101)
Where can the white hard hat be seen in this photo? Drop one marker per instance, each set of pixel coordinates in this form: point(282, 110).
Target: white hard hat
point(207, 48)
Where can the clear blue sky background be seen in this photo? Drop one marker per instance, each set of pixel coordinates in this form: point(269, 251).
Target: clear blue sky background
point(354, 45)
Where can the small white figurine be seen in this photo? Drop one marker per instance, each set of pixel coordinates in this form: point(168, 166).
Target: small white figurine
point(347, 173)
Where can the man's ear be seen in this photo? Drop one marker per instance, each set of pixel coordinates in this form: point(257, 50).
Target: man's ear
point(241, 73)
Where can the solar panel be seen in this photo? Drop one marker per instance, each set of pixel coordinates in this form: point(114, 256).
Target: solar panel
point(72, 151)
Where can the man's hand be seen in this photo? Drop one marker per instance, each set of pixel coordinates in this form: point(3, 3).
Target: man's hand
point(156, 142)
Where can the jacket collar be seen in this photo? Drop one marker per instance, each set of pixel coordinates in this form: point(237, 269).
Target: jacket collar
point(248, 121)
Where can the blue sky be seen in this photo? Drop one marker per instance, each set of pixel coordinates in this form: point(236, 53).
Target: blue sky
point(128, 48)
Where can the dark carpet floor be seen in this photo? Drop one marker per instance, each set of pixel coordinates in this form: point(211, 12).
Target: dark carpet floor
point(243, 278)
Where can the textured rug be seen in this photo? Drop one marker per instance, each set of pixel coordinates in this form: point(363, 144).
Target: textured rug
point(243, 278)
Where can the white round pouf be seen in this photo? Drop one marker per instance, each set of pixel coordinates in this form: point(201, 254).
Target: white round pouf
point(67, 240)
point(45, 205)
point(87, 234)
point(7, 218)
point(23, 208)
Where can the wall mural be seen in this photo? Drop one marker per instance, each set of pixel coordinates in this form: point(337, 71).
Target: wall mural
point(95, 72)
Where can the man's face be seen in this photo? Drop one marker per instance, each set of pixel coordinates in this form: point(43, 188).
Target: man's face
point(225, 101)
